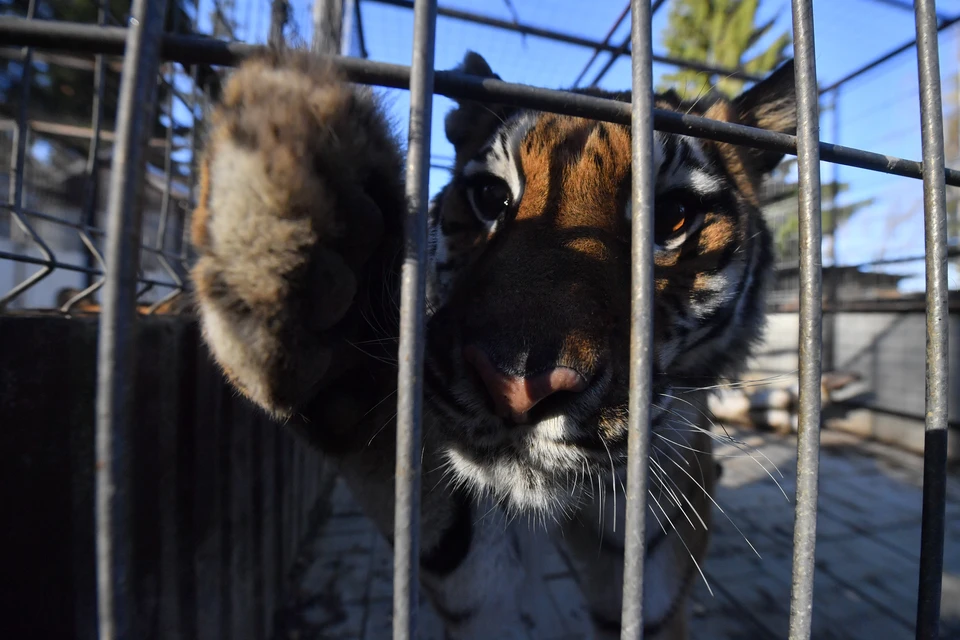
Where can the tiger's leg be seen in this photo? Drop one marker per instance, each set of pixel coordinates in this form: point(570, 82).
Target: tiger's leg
point(473, 565)
point(678, 520)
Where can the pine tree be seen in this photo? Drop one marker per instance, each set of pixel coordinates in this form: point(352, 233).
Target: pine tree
point(721, 33)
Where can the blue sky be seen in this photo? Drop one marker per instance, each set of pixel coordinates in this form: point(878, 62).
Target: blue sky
point(878, 112)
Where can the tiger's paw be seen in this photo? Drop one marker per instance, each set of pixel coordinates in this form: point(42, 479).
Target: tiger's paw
point(300, 180)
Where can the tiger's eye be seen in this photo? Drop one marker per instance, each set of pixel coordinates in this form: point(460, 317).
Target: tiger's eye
point(490, 197)
point(670, 218)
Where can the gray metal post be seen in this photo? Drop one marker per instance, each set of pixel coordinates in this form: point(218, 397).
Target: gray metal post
point(406, 537)
point(831, 276)
point(811, 299)
point(116, 343)
point(327, 26)
point(641, 323)
point(18, 163)
point(937, 400)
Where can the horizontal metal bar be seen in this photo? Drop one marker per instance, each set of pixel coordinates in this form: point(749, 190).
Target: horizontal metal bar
point(606, 40)
point(568, 38)
point(198, 50)
point(54, 264)
point(71, 131)
point(95, 231)
point(906, 5)
point(946, 24)
point(625, 47)
point(952, 252)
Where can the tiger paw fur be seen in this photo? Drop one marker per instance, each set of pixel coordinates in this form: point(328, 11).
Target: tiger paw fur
point(296, 176)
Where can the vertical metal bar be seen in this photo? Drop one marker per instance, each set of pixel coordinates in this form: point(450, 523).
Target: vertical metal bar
point(327, 26)
point(163, 223)
point(811, 299)
point(937, 400)
point(92, 186)
point(116, 341)
point(349, 23)
point(169, 80)
point(279, 15)
point(641, 322)
point(406, 536)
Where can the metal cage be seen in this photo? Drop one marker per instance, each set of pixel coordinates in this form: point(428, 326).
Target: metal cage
point(145, 45)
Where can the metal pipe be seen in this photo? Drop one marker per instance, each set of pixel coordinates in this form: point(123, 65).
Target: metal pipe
point(163, 223)
point(92, 185)
point(641, 323)
point(811, 298)
point(65, 266)
point(906, 5)
point(830, 283)
point(279, 15)
point(327, 26)
point(606, 40)
point(406, 523)
point(567, 38)
point(893, 53)
point(94, 231)
point(116, 340)
point(18, 163)
point(361, 38)
point(624, 48)
point(938, 323)
point(199, 50)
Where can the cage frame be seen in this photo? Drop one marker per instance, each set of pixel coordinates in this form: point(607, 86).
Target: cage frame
point(145, 46)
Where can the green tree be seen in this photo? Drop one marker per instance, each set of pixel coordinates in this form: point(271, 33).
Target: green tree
point(723, 33)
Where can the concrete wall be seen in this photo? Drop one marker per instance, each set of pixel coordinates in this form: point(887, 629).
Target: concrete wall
point(222, 498)
point(888, 349)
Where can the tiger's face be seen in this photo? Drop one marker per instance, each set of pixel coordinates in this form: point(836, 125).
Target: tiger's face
point(527, 365)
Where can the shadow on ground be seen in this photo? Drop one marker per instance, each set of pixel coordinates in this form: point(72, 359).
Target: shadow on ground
point(867, 555)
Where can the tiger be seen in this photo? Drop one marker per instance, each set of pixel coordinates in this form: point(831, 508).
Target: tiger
point(299, 233)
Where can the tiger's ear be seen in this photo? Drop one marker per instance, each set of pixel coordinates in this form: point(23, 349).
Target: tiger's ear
point(470, 118)
point(770, 104)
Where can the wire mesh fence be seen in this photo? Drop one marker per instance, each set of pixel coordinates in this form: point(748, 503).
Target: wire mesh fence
point(87, 221)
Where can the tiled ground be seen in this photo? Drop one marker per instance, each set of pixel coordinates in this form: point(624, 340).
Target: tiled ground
point(867, 554)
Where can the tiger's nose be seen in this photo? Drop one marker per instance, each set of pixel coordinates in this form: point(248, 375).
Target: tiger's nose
point(514, 396)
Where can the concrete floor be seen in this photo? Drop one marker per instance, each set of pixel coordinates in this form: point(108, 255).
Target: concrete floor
point(867, 555)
